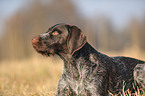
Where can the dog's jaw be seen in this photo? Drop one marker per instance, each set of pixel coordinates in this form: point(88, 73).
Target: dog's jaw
point(41, 48)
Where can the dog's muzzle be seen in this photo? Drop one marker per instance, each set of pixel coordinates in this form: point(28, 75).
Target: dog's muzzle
point(35, 41)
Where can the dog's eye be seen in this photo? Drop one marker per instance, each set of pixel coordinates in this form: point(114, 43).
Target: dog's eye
point(55, 33)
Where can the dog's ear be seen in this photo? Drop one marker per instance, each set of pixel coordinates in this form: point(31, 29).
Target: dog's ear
point(76, 39)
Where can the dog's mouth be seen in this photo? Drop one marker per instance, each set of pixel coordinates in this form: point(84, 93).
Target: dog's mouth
point(42, 48)
point(46, 53)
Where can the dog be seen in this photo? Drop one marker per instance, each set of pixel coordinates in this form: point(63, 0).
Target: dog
point(86, 71)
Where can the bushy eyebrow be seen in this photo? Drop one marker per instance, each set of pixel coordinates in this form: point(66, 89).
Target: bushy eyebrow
point(52, 27)
point(59, 31)
point(49, 30)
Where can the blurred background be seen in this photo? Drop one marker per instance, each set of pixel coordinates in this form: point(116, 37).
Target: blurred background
point(111, 26)
point(114, 27)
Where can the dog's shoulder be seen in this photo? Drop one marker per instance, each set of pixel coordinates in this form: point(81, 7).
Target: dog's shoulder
point(128, 60)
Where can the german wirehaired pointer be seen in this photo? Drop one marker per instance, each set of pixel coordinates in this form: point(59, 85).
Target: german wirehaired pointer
point(87, 72)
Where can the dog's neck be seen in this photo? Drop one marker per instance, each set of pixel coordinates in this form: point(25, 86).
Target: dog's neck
point(71, 62)
point(84, 53)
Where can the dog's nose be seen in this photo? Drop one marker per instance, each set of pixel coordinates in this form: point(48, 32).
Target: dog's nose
point(35, 40)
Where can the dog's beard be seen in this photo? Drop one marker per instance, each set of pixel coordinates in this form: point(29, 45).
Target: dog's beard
point(48, 50)
point(45, 53)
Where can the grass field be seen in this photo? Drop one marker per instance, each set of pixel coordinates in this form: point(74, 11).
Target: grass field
point(37, 76)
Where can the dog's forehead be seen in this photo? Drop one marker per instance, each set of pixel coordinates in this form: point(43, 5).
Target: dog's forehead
point(58, 26)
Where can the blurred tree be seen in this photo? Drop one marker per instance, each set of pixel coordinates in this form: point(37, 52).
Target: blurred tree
point(89, 32)
point(14, 41)
point(142, 41)
point(105, 34)
point(34, 19)
point(135, 34)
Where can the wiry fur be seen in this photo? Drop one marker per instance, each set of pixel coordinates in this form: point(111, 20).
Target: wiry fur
point(87, 72)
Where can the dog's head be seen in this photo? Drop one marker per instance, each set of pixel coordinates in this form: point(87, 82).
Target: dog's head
point(60, 38)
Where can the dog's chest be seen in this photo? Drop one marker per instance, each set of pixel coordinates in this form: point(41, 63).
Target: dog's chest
point(79, 80)
point(77, 86)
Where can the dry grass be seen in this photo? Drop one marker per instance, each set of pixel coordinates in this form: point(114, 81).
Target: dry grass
point(138, 92)
point(34, 77)
point(37, 76)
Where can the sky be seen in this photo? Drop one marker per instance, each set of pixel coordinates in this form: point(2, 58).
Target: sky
point(119, 11)
point(7, 9)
